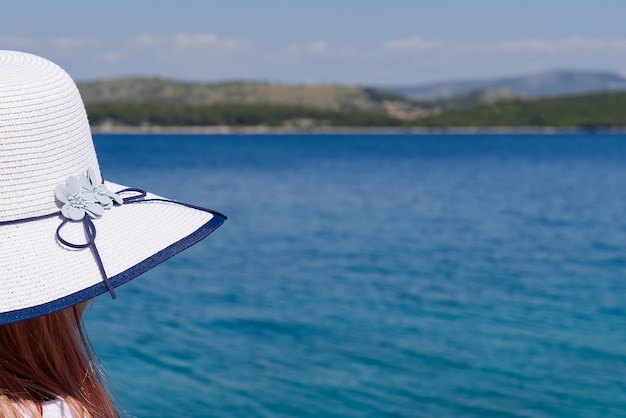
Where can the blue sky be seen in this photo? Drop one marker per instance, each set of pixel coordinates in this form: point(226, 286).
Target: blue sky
point(346, 41)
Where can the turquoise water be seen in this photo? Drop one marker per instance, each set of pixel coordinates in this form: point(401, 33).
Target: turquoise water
point(371, 276)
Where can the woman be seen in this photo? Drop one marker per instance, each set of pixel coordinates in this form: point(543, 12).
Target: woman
point(66, 236)
point(46, 368)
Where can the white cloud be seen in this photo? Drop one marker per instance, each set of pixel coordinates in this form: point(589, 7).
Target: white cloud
point(187, 41)
point(577, 43)
point(315, 47)
point(15, 42)
point(63, 43)
point(196, 39)
point(523, 45)
point(531, 45)
point(57, 44)
point(209, 56)
point(542, 46)
point(144, 40)
point(414, 44)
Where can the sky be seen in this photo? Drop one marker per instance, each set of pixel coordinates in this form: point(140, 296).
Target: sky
point(364, 42)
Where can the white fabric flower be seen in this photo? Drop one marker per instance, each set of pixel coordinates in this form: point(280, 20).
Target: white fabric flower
point(99, 191)
point(76, 202)
point(84, 194)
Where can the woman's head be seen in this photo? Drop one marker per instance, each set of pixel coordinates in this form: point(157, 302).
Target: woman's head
point(49, 357)
point(66, 236)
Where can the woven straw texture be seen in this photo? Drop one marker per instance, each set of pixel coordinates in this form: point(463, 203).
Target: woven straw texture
point(44, 134)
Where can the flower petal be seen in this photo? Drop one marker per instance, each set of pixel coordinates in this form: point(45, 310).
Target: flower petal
point(84, 182)
point(103, 199)
point(94, 210)
point(116, 197)
point(65, 211)
point(74, 184)
point(93, 177)
point(62, 192)
point(89, 196)
point(74, 213)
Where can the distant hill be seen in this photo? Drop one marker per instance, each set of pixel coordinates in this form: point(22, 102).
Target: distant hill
point(507, 102)
point(597, 111)
point(317, 96)
point(545, 84)
point(603, 110)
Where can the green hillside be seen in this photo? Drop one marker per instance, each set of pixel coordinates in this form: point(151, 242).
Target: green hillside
point(230, 114)
point(603, 110)
point(156, 102)
point(318, 96)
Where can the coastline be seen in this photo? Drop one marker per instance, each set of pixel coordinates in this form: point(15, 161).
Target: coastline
point(262, 129)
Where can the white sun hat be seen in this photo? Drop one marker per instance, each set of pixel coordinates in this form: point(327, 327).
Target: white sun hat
point(66, 234)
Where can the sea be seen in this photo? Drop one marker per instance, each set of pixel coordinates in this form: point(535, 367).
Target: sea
point(375, 275)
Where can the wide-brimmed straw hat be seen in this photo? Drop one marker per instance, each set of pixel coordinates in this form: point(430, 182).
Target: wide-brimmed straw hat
point(66, 233)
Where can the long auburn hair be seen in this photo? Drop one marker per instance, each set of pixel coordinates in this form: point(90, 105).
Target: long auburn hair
point(50, 357)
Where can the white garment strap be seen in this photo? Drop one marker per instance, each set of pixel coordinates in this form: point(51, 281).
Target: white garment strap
point(56, 408)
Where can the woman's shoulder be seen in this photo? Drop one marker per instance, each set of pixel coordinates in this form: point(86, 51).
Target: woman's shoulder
point(57, 408)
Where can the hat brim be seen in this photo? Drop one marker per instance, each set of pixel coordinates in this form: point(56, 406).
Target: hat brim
point(40, 275)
